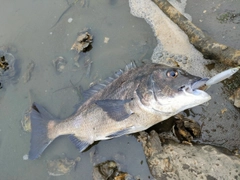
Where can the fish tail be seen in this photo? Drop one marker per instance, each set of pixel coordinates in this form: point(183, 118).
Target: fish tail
point(41, 123)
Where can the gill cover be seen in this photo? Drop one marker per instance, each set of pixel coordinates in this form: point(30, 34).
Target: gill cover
point(169, 91)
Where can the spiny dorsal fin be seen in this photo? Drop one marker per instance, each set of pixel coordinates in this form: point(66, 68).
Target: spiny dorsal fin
point(98, 87)
point(130, 66)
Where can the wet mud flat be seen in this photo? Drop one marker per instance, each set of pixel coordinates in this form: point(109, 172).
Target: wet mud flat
point(219, 119)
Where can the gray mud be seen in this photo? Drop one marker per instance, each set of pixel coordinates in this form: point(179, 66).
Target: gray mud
point(178, 161)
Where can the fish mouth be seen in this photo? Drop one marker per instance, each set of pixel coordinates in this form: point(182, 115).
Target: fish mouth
point(196, 88)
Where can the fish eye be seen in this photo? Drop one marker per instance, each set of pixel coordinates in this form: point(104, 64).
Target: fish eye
point(172, 74)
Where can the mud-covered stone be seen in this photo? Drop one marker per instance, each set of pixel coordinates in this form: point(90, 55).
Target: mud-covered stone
point(236, 98)
point(61, 166)
point(179, 161)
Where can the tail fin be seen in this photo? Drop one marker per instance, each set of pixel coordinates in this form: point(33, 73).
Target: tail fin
point(39, 135)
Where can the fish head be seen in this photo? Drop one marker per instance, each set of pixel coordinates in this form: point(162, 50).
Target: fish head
point(172, 90)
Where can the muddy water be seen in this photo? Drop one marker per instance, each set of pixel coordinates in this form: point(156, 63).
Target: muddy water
point(26, 27)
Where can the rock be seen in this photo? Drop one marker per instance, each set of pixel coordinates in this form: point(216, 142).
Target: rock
point(236, 98)
point(179, 161)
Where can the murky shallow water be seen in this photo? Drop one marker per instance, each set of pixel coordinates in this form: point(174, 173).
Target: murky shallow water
point(26, 25)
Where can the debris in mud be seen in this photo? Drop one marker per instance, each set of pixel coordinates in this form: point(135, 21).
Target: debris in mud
point(25, 157)
point(83, 41)
point(82, 44)
point(229, 16)
point(78, 89)
point(178, 161)
point(106, 39)
point(3, 63)
point(61, 166)
point(88, 65)
point(236, 98)
point(28, 73)
point(186, 129)
point(70, 20)
point(109, 170)
point(26, 122)
point(59, 63)
point(7, 65)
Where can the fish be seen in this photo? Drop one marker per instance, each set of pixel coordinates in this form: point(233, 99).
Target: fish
point(222, 76)
point(130, 101)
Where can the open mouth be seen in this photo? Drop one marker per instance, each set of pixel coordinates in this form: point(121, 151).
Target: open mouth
point(196, 87)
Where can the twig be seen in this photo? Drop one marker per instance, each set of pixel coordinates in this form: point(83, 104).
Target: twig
point(64, 12)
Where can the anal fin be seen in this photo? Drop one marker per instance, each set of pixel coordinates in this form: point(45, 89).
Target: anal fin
point(120, 133)
point(80, 145)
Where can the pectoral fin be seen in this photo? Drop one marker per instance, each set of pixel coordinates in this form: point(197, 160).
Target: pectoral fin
point(115, 108)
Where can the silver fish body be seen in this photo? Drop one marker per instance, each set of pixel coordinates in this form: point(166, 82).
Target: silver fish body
point(222, 76)
point(126, 103)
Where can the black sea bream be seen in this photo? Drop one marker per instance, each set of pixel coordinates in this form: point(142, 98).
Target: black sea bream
point(130, 101)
